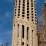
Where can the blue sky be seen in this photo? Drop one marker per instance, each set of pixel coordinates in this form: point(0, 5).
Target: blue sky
point(6, 19)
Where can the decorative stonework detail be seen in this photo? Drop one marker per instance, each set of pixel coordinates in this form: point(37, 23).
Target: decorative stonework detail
point(22, 30)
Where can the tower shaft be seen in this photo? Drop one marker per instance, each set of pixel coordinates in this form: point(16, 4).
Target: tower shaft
point(24, 24)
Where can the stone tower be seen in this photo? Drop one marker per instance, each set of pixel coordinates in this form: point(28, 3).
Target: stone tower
point(24, 24)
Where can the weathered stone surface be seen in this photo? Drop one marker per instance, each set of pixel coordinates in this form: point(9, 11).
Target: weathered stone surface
point(27, 21)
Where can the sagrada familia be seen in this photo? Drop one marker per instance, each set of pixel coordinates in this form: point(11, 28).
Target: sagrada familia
point(25, 24)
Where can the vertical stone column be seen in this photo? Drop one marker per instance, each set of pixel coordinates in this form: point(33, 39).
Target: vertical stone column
point(30, 36)
point(16, 36)
point(20, 35)
point(30, 15)
point(25, 36)
point(36, 30)
point(17, 9)
point(35, 39)
point(21, 9)
point(25, 9)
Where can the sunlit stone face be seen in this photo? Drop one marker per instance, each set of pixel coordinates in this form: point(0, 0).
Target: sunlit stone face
point(24, 24)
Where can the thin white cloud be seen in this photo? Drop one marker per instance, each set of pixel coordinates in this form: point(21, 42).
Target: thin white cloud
point(8, 14)
point(9, 32)
point(6, 32)
point(5, 35)
point(4, 18)
point(1, 42)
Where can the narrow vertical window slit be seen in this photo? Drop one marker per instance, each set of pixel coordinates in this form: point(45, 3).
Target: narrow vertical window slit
point(27, 32)
point(18, 30)
point(22, 31)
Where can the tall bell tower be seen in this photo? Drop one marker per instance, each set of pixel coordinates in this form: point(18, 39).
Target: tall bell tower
point(25, 24)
